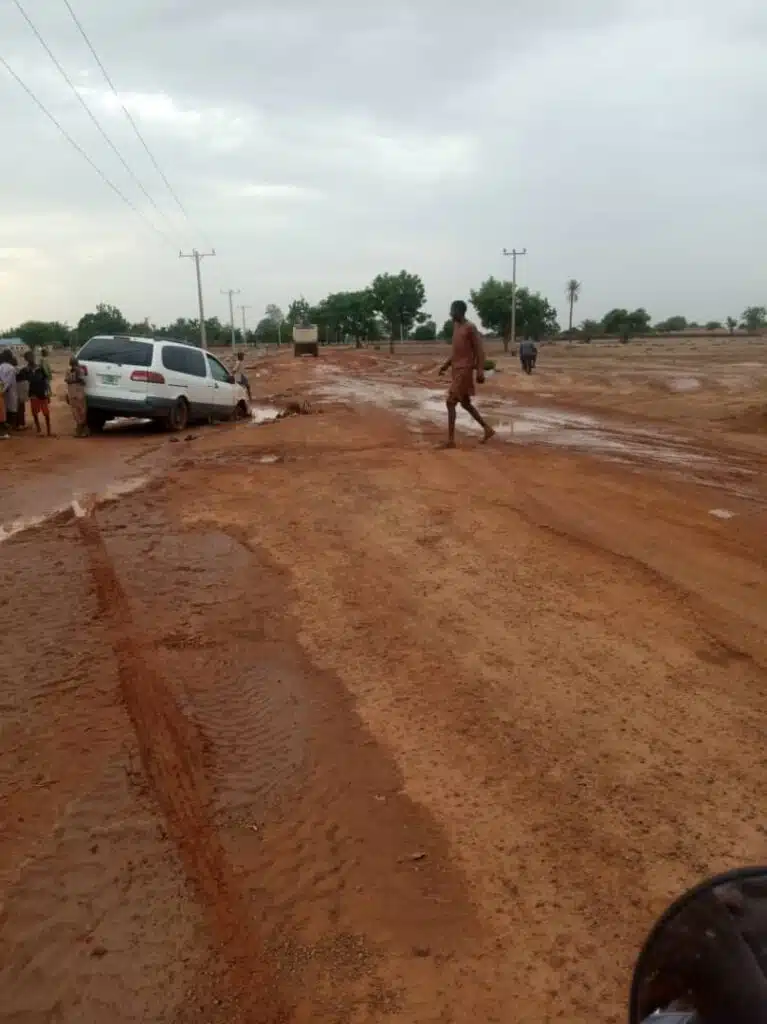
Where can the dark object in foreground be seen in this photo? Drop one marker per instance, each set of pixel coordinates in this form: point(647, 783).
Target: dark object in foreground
point(705, 961)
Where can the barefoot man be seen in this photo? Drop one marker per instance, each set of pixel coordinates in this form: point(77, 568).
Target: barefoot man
point(466, 358)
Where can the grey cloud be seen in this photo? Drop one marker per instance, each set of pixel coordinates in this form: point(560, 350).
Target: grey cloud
point(315, 144)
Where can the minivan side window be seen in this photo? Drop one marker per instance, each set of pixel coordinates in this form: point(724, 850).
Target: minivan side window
point(184, 359)
point(123, 351)
point(219, 372)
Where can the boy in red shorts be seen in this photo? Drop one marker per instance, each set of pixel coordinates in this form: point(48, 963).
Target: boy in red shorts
point(39, 401)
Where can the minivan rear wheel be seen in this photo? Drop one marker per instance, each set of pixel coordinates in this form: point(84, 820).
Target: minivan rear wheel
point(178, 417)
point(96, 421)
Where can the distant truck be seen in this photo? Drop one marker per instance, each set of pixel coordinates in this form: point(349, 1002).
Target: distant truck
point(305, 340)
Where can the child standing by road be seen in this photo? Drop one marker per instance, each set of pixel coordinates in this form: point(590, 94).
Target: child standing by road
point(39, 398)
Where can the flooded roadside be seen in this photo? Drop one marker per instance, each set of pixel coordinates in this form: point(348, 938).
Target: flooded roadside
point(81, 503)
point(516, 423)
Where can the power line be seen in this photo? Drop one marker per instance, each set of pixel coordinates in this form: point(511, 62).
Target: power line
point(81, 151)
point(88, 111)
point(125, 110)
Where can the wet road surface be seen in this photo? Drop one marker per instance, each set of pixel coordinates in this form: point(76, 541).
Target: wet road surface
point(309, 722)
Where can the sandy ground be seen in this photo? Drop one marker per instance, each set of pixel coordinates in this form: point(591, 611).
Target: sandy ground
point(306, 721)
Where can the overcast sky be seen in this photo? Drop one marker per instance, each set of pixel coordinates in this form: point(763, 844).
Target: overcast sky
point(315, 143)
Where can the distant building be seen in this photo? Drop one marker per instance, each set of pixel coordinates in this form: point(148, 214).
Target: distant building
point(16, 345)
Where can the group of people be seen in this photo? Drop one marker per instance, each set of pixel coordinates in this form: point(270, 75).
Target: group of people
point(27, 384)
point(30, 384)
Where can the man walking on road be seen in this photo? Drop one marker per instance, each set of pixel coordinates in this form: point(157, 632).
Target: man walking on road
point(467, 357)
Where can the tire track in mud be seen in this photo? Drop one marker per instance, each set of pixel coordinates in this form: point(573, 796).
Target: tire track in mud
point(173, 756)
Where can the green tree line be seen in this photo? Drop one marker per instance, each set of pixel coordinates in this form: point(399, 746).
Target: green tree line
point(391, 307)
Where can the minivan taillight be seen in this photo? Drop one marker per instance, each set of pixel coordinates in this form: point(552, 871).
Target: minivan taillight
point(147, 377)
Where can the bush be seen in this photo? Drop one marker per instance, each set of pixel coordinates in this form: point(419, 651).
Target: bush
point(489, 364)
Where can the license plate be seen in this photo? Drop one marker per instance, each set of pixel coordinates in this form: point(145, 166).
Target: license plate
point(108, 378)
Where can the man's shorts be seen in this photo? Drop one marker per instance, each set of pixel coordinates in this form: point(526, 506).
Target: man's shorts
point(461, 386)
point(39, 405)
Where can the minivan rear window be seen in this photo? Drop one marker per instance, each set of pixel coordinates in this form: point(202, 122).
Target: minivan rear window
point(123, 351)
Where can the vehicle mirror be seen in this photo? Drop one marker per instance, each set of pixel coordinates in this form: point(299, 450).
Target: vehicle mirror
point(705, 960)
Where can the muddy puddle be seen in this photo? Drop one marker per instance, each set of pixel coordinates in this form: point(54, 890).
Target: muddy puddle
point(79, 501)
point(264, 413)
point(553, 427)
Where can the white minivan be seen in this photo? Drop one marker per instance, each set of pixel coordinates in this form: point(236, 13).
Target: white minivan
point(154, 378)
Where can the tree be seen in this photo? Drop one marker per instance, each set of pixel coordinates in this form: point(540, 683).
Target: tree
point(299, 311)
point(344, 314)
point(713, 325)
point(106, 320)
point(674, 323)
point(143, 329)
point(754, 319)
point(446, 333)
point(42, 334)
point(426, 331)
point(624, 323)
point(591, 329)
point(573, 292)
point(732, 323)
point(217, 333)
point(274, 313)
point(266, 332)
point(492, 301)
point(536, 317)
point(399, 298)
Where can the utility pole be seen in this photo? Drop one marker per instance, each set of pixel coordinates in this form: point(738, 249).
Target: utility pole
point(514, 253)
point(244, 328)
point(231, 292)
point(198, 257)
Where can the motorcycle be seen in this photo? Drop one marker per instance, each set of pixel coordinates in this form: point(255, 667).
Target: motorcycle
point(705, 960)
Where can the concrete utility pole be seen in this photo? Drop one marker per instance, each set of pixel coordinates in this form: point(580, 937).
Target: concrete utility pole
point(198, 257)
point(231, 292)
point(514, 253)
point(244, 328)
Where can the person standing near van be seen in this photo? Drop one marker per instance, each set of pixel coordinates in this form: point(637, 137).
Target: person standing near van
point(238, 371)
point(39, 398)
point(23, 375)
point(78, 405)
point(45, 363)
point(9, 387)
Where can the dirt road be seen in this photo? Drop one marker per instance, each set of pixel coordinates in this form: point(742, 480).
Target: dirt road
point(305, 721)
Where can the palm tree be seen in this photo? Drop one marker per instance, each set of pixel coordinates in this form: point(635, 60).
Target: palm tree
point(573, 293)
